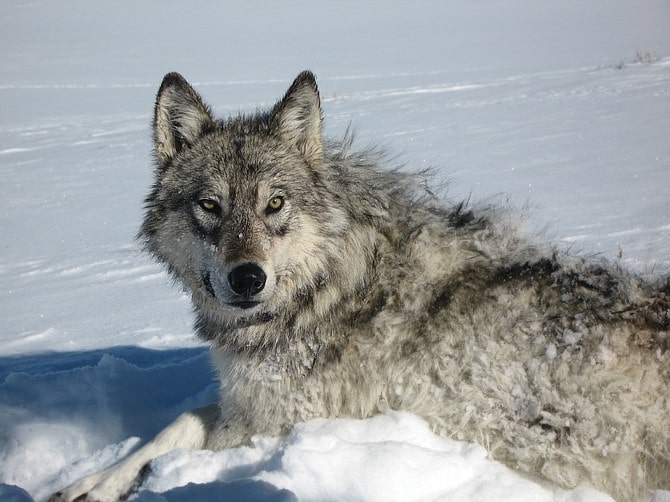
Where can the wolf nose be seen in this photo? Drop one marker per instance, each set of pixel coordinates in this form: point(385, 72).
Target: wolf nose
point(247, 280)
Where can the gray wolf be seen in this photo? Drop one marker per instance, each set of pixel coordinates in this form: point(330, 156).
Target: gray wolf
point(329, 287)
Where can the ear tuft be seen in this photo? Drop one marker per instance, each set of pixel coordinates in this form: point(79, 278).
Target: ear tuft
point(296, 119)
point(180, 117)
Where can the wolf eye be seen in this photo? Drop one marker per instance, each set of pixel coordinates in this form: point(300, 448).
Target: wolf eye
point(210, 205)
point(275, 204)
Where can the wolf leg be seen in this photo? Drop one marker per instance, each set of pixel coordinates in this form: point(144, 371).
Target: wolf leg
point(190, 431)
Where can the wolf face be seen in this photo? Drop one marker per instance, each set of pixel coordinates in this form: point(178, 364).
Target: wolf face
point(231, 196)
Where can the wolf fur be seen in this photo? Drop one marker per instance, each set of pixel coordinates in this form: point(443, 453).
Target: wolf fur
point(329, 287)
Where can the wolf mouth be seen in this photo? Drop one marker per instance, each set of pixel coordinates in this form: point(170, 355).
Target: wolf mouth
point(245, 304)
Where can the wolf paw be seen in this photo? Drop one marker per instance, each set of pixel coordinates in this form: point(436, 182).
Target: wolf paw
point(71, 496)
point(62, 497)
point(96, 488)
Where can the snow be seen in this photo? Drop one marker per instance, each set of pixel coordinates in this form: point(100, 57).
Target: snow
point(389, 457)
point(562, 106)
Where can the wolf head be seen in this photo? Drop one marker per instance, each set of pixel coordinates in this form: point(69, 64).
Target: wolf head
point(240, 212)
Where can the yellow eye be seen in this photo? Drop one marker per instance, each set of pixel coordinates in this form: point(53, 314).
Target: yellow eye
point(275, 204)
point(209, 205)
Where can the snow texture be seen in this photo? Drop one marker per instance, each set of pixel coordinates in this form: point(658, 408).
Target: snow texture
point(563, 106)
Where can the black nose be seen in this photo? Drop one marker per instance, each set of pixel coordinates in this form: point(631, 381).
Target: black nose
point(247, 280)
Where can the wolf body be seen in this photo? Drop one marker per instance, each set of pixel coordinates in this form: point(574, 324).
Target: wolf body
point(329, 287)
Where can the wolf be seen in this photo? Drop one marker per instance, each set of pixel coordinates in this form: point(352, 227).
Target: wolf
point(330, 286)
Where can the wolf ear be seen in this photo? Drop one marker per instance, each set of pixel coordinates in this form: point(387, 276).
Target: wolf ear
point(180, 117)
point(296, 119)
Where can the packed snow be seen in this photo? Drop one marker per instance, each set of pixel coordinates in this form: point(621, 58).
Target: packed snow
point(563, 106)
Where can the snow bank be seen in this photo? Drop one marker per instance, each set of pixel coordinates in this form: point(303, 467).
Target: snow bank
point(392, 457)
point(76, 414)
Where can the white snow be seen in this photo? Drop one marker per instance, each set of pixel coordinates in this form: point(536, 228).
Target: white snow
point(561, 105)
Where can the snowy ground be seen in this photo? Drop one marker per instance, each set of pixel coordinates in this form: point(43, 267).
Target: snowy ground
point(564, 105)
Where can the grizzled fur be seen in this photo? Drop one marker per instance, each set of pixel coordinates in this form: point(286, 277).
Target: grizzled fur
point(329, 287)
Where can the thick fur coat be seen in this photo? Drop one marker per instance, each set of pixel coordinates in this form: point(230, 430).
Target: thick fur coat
point(329, 287)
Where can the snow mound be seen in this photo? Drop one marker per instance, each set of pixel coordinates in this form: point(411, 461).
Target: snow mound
point(390, 457)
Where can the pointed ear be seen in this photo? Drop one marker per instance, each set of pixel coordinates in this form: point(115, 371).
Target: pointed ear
point(180, 117)
point(296, 119)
